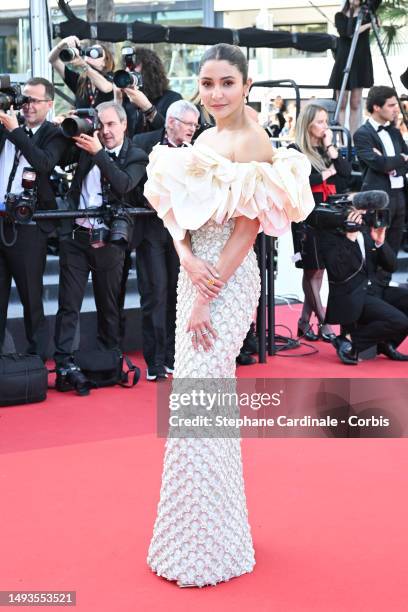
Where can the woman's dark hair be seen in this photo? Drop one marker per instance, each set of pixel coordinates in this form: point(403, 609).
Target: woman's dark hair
point(109, 67)
point(155, 81)
point(345, 7)
point(231, 54)
point(378, 95)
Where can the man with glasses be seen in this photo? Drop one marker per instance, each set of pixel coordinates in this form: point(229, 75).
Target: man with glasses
point(38, 144)
point(157, 262)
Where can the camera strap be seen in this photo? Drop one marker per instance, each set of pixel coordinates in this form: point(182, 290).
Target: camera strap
point(17, 156)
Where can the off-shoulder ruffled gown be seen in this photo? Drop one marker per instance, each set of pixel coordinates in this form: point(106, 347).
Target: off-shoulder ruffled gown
point(201, 535)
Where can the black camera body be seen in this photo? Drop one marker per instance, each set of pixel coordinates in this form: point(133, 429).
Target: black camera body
point(116, 217)
point(10, 94)
point(85, 121)
point(70, 53)
point(21, 207)
point(333, 214)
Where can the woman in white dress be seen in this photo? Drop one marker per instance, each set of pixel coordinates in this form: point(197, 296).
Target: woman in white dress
point(213, 197)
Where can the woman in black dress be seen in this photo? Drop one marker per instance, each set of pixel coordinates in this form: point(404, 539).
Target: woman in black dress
point(314, 139)
point(90, 85)
point(361, 73)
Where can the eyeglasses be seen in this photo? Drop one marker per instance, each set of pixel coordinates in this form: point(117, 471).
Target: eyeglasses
point(34, 101)
point(193, 126)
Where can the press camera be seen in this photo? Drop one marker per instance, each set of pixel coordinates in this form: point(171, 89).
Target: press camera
point(333, 214)
point(21, 207)
point(10, 94)
point(85, 121)
point(130, 76)
point(70, 53)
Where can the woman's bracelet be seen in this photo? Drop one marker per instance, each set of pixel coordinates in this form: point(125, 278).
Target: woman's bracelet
point(150, 110)
point(330, 145)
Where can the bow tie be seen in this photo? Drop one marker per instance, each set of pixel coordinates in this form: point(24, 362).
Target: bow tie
point(29, 132)
point(112, 155)
point(384, 127)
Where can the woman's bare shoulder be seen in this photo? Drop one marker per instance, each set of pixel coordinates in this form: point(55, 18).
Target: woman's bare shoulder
point(253, 145)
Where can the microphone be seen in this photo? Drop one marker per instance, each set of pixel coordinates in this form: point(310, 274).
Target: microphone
point(371, 200)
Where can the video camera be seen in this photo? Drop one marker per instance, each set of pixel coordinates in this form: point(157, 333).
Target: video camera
point(70, 53)
point(130, 76)
point(10, 95)
point(333, 214)
point(21, 207)
point(85, 121)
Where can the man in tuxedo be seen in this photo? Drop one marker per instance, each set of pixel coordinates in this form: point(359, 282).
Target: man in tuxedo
point(383, 155)
point(23, 247)
point(157, 262)
point(372, 313)
point(108, 164)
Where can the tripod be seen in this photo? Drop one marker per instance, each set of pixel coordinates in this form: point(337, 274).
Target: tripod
point(365, 10)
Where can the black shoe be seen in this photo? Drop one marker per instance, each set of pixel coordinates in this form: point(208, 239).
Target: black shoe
point(245, 359)
point(345, 351)
point(307, 333)
point(389, 350)
point(251, 341)
point(155, 373)
point(326, 337)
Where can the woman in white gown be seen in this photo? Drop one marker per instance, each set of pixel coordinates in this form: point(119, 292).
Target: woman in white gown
point(213, 197)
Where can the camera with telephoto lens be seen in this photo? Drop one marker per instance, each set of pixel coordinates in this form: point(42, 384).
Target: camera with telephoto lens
point(21, 207)
point(130, 76)
point(71, 378)
point(85, 121)
point(10, 95)
point(70, 53)
point(333, 214)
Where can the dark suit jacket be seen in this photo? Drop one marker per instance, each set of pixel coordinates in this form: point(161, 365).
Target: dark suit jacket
point(376, 167)
point(123, 177)
point(148, 140)
point(349, 275)
point(43, 152)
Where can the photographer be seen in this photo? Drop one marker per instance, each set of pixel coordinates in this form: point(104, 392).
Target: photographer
point(109, 168)
point(370, 312)
point(383, 155)
point(23, 246)
point(146, 106)
point(361, 72)
point(157, 262)
point(91, 87)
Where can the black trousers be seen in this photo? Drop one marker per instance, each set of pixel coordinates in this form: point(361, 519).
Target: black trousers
point(25, 263)
point(397, 209)
point(384, 319)
point(77, 260)
point(157, 266)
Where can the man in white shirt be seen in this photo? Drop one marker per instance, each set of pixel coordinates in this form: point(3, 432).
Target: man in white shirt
point(38, 144)
point(108, 163)
point(383, 155)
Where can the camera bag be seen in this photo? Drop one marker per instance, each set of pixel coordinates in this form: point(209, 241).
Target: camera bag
point(104, 367)
point(23, 379)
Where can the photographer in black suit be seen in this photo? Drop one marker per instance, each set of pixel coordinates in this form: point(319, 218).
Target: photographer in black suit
point(109, 166)
point(372, 313)
point(23, 247)
point(157, 262)
point(383, 155)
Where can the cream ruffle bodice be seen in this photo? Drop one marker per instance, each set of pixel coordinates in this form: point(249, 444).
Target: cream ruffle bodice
point(188, 186)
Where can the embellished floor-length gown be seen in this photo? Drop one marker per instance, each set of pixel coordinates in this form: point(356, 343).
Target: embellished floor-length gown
point(201, 535)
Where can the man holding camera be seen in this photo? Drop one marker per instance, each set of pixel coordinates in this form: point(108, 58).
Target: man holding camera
point(109, 169)
point(373, 314)
point(23, 246)
point(383, 155)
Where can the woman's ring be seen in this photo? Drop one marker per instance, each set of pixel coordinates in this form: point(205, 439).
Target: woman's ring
point(211, 281)
point(205, 332)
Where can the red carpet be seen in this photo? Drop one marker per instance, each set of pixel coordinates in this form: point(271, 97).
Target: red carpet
point(80, 482)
